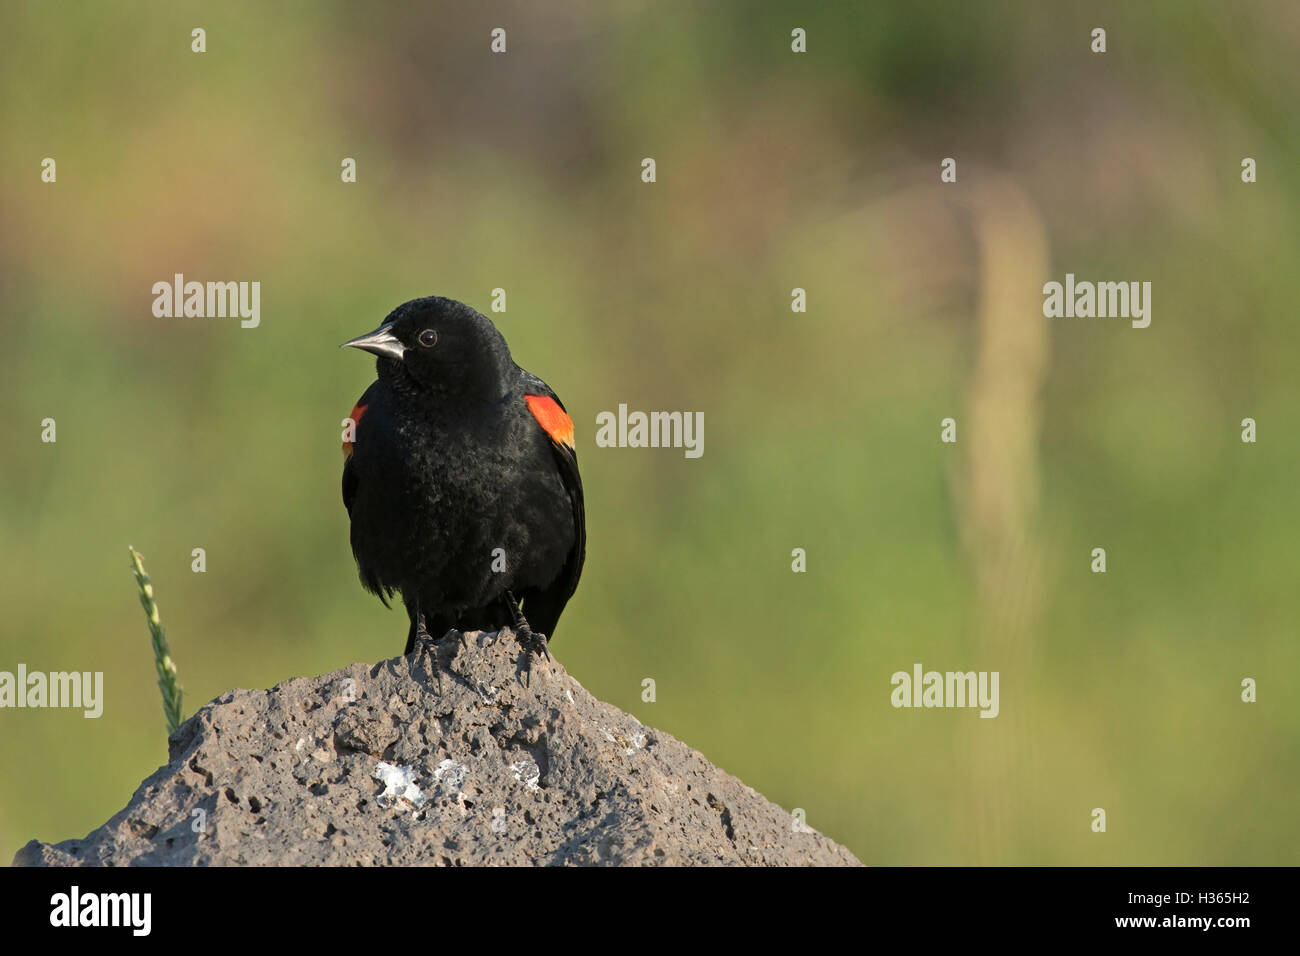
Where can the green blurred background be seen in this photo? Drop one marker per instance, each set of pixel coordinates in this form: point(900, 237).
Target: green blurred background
point(775, 170)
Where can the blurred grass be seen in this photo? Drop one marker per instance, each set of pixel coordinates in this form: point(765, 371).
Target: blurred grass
point(775, 171)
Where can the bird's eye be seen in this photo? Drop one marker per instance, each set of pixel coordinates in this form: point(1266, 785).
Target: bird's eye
point(428, 337)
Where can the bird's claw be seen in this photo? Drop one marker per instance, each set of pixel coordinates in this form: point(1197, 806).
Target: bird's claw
point(533, 642)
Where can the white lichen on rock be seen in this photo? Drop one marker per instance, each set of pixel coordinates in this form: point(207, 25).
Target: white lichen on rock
point(527, 772)
point(399, 784)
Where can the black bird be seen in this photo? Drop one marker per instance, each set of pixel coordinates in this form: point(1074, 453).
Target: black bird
point(461, 478)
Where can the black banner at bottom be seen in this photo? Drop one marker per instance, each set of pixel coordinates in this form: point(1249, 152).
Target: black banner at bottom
point(261, 906)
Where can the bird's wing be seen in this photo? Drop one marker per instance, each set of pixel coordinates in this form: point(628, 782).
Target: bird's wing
point(349, 470)
point(551, 415)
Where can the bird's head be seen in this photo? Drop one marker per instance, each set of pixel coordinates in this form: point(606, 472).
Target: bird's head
point(441, 346)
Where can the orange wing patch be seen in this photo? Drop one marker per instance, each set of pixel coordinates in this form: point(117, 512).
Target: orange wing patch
point(357, 412)
point(553, 419)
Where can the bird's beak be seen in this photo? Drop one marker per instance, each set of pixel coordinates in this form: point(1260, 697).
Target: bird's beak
point(381, 342)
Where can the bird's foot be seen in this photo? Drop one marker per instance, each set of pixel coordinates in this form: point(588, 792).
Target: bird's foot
point(420, 642)
point(533, 641)
point(529, 639)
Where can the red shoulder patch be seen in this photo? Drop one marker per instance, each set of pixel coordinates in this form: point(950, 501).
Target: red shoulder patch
point(355, 418)
point(553, 419)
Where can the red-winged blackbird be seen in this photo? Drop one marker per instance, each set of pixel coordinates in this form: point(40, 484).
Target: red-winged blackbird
point(462, 480)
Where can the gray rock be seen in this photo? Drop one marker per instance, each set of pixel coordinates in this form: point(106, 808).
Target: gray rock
point(466, 753)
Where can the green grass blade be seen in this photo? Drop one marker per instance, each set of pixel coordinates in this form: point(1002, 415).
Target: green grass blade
point(168, 681)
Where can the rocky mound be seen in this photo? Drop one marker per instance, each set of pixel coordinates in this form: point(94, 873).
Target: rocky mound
point(471, 751)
